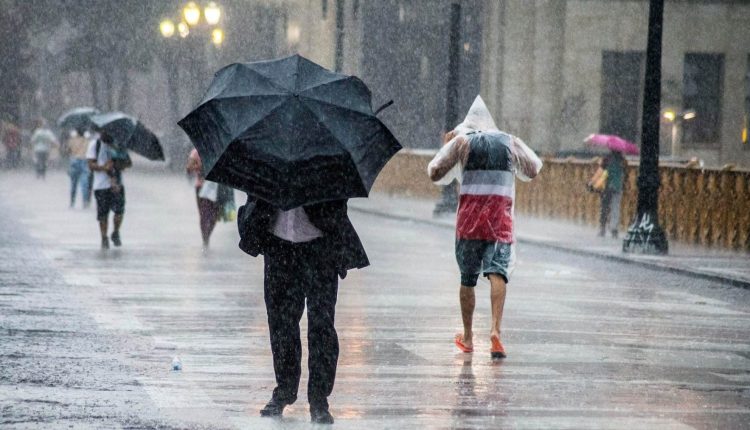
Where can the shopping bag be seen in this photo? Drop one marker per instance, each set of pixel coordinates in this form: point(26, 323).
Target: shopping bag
point(209, 190)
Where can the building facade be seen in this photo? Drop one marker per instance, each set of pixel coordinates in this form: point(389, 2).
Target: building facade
point(552, 71)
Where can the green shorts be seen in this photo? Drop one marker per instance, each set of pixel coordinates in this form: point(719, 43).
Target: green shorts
point(482, 256)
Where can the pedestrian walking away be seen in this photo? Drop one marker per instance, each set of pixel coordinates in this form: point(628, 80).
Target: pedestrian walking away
point(305, 250)
point(42, 140)
point(107, 164)
point(485, 160)
point(299, 164)
point(78, 168)
point(611, 197)
point(211, 198)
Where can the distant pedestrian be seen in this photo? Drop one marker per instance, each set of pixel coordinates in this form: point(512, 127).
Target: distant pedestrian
point(108, 187)
point(210, 197)
point(612, 174)
point(42, 140)
point(487, 161)
point(11, 137)
point(78, 168)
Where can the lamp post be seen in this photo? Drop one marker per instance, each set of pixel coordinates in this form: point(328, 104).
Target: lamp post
point(449, 196)
point(677, 120)
point(195, 28)
point(645, 235)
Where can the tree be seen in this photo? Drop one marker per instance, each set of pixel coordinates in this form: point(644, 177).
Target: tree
point(115, 38)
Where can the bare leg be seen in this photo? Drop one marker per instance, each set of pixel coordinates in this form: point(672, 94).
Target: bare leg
point(117, 222)
point(497, 297)
point(103, 226)
point(468, 301)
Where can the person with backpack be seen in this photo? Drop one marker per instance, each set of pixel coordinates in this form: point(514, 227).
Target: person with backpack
point(107, 164)
point(486, 162)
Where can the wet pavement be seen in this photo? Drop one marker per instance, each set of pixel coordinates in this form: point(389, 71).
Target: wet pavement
point(729, 266)
point(87, 337)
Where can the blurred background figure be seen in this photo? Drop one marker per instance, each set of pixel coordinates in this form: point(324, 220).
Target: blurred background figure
point(213, 199)
point(42, 140)
point(613, 169)
point(10, 134)
point(78, 169)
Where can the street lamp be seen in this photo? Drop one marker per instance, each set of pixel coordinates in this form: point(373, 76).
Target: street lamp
point(212, 13)
point(645, 235)
point(677, 119)
point(183, 29)
point(192, 14)
point(167, 28)
point(293, 34)
point(217, 36)
point(197, 25)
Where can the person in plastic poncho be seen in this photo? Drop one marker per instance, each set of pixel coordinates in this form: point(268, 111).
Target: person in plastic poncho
point(485, 161)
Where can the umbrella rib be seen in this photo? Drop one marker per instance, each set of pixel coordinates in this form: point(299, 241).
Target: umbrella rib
point(328, 82)
point(323, 124)
point(317, 100)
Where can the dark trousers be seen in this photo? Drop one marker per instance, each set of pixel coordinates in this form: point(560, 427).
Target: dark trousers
point(296, 273)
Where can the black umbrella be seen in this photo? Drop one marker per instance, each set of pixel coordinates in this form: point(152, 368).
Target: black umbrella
point(129, 133)
point(290, 132)
point(78, 118)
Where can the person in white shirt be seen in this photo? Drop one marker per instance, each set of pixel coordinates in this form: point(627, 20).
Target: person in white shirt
point(108, 189)
point(42, 140)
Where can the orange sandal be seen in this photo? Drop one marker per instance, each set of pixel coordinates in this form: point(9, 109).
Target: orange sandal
point(459, 341)
point(497, 350)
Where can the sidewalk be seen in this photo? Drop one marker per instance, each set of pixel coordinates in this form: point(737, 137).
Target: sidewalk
point(714, 264)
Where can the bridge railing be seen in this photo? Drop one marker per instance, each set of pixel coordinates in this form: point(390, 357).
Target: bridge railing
point(709, 207)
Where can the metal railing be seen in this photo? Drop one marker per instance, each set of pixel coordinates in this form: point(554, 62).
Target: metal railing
point(709, 207)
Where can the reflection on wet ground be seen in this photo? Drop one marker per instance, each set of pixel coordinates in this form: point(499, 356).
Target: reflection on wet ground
point(88, 336)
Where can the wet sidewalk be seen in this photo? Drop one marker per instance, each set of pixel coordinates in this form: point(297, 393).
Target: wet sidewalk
point(714, 264)
point(87, 336)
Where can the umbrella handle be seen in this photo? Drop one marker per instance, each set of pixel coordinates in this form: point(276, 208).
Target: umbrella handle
point(381, 108)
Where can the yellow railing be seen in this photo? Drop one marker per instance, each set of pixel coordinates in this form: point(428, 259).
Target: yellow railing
point(709, 207)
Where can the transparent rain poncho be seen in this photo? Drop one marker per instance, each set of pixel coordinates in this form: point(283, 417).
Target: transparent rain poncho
point(450, 161)
point(526, 163)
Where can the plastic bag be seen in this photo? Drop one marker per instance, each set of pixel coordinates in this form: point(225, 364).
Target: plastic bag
point(209, 191)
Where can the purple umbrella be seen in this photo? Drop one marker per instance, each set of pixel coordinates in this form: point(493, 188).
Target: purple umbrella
point(615, 143)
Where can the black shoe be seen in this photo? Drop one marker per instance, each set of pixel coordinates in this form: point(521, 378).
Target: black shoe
point(320, 416)
point(273, 408)
point(116, 238)
point(105, 243)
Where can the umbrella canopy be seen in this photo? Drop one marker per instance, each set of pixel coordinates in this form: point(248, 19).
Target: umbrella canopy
point(614, 143)
point(78, 118)
point(129, 133)
point(290, 132)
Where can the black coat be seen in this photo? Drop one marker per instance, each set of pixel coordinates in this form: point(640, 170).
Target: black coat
point(346, 252)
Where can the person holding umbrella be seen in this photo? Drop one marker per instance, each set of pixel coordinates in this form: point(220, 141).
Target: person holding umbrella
point(108, 189)
point(108, 157)
point(486, 161)
point(612, 171)
point(300, 140)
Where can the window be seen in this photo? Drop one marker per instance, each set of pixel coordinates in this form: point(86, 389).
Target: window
point(701, 91)
point(622, 93)
point(355, 9)
point(324, 8)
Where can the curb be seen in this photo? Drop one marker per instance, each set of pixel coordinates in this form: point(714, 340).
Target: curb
point(735, 282)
